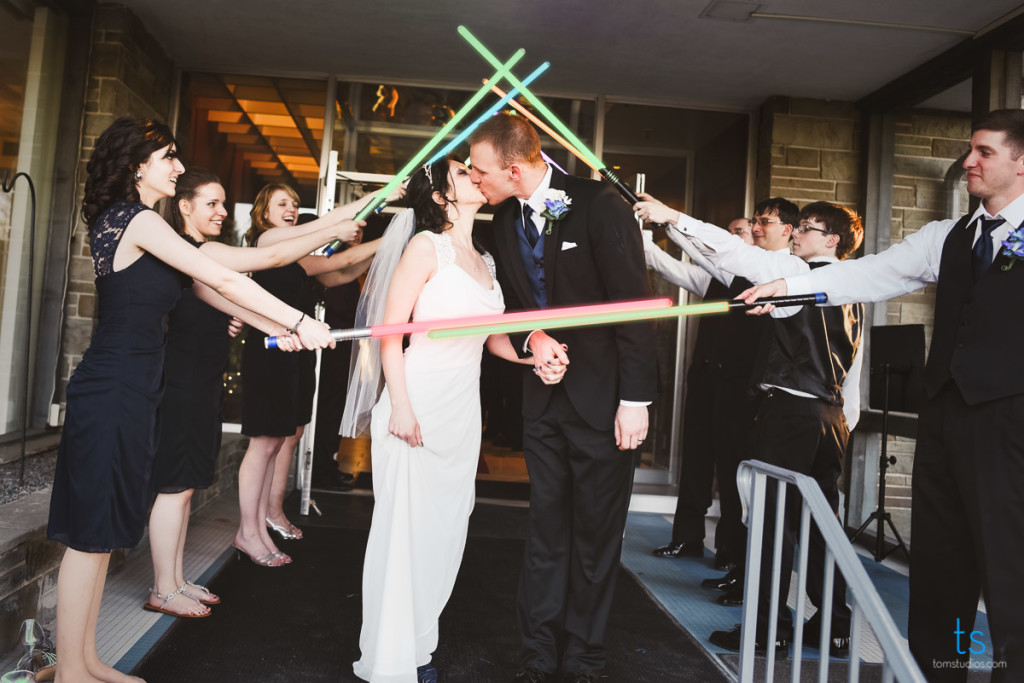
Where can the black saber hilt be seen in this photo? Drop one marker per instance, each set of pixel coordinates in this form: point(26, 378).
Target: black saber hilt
point(816, 299)
point(626, 193)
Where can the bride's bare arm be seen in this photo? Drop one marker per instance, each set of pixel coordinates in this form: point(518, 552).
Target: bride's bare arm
point(418, 263)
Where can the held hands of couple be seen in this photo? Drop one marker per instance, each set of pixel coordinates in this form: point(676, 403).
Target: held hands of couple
point(773, 288)
point(550, 359)
point(650, 210)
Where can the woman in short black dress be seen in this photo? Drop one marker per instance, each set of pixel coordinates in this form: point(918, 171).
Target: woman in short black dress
point(277, 390)
point(101, 487)
point(197, 353)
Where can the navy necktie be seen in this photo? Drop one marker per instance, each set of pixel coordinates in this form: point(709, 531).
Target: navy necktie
point(529, 229)
point(983, 250)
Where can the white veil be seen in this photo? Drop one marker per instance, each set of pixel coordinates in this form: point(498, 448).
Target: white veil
point(365, 379)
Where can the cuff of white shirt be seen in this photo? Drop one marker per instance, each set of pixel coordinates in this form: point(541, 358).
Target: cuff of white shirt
point(526, 344)
point(798, 284)
point(634, 404)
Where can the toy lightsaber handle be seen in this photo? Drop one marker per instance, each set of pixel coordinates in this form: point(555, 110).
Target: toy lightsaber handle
point(627, 193)
point(816, 299)
point(335, 246)
point(339, 336)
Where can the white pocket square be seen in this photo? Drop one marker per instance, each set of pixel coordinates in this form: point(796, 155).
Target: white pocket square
point(568, 245)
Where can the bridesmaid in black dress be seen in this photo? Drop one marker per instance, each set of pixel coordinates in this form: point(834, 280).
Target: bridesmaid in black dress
point(101, 487)
point(197, 353)
point(277, 390)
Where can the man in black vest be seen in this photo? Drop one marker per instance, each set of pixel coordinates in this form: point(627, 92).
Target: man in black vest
point(718, 418)
point(967, 522)
point(579, 437)
point(807, 361)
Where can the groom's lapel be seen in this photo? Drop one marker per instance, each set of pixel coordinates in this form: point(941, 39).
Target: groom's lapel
point(505, 228)
point(552, 242)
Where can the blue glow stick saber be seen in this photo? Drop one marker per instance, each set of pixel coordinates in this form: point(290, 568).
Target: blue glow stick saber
point(503, 71)
point(488, 114)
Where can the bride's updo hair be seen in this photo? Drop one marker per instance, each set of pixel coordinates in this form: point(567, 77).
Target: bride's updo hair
point(420, 196)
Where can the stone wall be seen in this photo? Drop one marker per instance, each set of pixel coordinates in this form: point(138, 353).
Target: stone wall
point(809, 150)
point(129, 75)
point(928, 143)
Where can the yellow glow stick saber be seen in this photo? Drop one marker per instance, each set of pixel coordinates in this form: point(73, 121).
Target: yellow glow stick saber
point(625, 316)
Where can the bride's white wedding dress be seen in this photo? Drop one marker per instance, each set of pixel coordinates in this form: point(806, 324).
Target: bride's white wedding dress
point(423, 496)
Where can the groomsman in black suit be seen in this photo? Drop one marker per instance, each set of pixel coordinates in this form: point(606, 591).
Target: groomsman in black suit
point(580, 436)
point(967, 523)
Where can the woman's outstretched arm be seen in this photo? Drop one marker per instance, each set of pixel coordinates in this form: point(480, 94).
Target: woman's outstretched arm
point(150, 233)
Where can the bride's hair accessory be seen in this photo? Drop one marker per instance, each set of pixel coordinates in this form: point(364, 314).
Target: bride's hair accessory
point(430, 174)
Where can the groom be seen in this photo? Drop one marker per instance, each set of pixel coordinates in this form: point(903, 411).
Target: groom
point(579, 436)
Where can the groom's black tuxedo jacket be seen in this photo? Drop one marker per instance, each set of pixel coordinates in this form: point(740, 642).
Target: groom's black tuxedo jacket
point(594, 254)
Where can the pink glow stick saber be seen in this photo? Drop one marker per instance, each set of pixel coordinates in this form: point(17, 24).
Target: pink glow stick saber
point(538, 316)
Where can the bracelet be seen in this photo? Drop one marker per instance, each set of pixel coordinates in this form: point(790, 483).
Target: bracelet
point(295, 328)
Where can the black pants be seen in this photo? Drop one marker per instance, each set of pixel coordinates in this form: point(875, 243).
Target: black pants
point(717, 424)
point(580, 485)
point(967, 529)
point(808, 436)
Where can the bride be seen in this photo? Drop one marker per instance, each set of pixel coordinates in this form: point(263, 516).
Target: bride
point(425, 428)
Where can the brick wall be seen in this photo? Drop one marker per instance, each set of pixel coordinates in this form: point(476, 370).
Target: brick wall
point(809, 150)
point(129, 75)
point(928, 143)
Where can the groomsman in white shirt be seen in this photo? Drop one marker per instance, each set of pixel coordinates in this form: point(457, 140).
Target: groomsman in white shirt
point(967, 520)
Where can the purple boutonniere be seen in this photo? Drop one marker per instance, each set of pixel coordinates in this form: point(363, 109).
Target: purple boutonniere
point(556, 205)
point(1013, 246)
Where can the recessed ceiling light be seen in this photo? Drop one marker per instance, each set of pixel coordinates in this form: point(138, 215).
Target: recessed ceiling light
point(730, 10)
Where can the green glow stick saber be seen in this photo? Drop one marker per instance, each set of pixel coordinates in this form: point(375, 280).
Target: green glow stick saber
point(538, 105)
point(626, 316)
point(502, 72)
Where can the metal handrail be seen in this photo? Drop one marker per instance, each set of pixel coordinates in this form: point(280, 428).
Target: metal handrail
point(866, 603)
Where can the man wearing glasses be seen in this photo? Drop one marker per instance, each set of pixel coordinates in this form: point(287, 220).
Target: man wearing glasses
point(807, 362)
point(773, 223)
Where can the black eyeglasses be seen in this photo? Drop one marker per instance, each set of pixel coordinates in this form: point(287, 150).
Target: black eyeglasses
point(801, 229)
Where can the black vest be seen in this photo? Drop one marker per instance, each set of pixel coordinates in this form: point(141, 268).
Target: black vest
point(727, 343)
point(979, 328)
point(811, 351)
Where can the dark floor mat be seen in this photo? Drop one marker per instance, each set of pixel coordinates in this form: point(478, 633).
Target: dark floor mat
point(301, 622)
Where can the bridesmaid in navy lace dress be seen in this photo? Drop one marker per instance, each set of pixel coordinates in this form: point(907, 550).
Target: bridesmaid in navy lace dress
point(101, 486)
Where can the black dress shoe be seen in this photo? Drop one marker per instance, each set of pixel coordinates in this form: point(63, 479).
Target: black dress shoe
point(723, 563)
point(580, 677)
point(724, 583)
point(531, 675)
point(732, 598)
point(838, 646)
point(685, 549)
point(730, 640)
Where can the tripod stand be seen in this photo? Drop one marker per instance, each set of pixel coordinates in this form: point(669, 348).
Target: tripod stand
point(880, 515)
point(895, 349)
